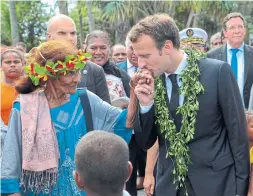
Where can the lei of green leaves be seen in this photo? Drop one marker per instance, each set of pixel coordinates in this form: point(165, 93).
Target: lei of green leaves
point(191, 87)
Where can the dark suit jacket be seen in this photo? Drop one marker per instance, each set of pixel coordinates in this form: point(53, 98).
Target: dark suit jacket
point(221, 54)
point(93, 78)
point(219, 151)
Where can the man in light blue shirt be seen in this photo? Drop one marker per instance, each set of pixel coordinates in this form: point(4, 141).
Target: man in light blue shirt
point(236, 53)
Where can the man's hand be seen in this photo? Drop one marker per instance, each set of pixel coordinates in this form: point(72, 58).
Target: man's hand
point(144, 87)
point(14, 194)
point(149, 184)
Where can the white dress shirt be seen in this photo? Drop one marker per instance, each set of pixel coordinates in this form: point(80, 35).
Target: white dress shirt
point(179, 70)
point(131, 69)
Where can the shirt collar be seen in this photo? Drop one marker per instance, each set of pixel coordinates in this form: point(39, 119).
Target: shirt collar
point(180, 67)
point(129, 65)
point(241, 48)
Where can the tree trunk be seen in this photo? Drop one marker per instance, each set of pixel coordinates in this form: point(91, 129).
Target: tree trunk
point(80, 25)
point(172, 8)
point(14, 23)
point(63, 7)
point(190, 18)
point(90, 17)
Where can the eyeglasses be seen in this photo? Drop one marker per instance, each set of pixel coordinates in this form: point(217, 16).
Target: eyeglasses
point(233, 28)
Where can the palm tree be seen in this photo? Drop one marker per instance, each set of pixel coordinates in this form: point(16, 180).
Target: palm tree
point(5, 24)
point(14, 23)
point(63, 7)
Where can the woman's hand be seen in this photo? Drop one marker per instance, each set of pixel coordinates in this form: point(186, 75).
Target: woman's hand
point(143, 84)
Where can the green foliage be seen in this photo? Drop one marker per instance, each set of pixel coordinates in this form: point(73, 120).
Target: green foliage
point(5, 24)
point(191, 88)
point(32, 17)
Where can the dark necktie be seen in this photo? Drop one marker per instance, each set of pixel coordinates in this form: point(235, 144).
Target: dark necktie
point(234, 63)
point(174, 101)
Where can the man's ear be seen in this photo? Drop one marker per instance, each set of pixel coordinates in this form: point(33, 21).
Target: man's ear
point(225, 33)
point(49, 36)
point(168, 46)
point(79, 181)
point(130, 169)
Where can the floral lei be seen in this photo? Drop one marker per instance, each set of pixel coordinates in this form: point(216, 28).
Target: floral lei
point(191, 88)
point(72, 63)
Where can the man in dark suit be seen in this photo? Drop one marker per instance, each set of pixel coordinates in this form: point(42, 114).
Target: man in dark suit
point(219, 151)
point(62, 27)
point(234, 29)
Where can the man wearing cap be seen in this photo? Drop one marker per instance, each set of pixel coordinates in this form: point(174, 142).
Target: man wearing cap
point(237, 53)
point(193, 37)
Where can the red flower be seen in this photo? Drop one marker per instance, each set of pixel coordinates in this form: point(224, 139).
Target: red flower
point(50, 70)
point(59, 66)
point(32, 68)
point(84, 60)
point(70, 65)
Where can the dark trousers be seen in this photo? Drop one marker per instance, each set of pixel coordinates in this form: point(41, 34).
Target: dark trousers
point(181, 191)
point(135, 153)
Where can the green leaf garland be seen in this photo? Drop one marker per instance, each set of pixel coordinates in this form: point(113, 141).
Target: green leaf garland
point(191, 88)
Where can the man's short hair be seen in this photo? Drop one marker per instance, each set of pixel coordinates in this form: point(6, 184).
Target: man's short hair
point(120, 45)
point(232, 15)
point(160, 27)
point(102, 161)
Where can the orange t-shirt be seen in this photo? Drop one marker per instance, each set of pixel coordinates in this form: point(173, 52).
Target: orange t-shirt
point(8, 95)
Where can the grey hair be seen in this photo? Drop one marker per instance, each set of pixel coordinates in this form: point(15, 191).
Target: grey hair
point(102, 161)
point(232, 15)
point(98, 34)
point(215, 36)
point(160, 27)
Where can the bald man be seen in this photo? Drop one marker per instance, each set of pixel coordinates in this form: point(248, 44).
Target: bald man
point(62, 27)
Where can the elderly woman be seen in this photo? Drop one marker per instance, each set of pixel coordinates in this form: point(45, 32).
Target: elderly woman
point(48, 120)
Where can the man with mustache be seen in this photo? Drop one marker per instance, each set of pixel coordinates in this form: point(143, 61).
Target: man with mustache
point(62, 27)
point(237, 53)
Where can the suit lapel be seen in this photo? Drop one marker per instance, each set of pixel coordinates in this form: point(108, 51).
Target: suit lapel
point(223, 54)
point(247, 57)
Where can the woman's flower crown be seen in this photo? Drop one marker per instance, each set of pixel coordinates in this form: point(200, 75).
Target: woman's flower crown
point(72, 63)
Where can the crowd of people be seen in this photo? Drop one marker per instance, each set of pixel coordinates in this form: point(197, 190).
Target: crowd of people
point(165, 111)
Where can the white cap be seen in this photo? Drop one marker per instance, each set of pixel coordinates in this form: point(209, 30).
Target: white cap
point(194, 34)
